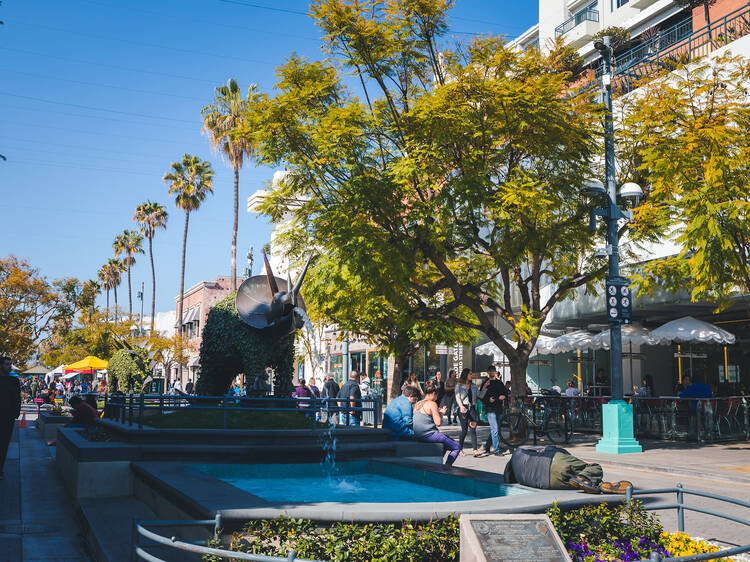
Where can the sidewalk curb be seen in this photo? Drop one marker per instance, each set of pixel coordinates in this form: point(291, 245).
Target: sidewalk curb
point(680, 471)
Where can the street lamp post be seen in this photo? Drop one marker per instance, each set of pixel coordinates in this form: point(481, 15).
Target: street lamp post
point(617, 416)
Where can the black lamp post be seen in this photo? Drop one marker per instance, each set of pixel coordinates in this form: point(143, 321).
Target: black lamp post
point(617, 416)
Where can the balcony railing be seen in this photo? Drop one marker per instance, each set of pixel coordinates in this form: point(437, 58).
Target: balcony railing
point(577, 19)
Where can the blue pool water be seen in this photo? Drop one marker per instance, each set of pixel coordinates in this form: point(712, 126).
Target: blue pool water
point(357, 481)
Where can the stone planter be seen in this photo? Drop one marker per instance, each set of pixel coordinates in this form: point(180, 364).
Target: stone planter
point(48, 423)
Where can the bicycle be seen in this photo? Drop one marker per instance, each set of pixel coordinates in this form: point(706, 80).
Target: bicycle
point(547, 416)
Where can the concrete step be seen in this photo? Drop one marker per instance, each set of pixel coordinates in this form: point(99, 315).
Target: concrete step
point(108, 526)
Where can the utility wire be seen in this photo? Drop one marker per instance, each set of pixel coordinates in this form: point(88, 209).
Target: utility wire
point(129, 69)
point(100, 85)
point(97, 108)
point(262, 7)
point(154, 45)
point(78, 147)
point(74, 167)
point(275, 32)
point(26, 125)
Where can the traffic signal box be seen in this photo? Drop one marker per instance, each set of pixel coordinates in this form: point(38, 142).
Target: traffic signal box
point(619, 300)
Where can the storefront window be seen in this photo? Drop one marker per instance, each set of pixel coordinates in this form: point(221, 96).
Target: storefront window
point(378, 371)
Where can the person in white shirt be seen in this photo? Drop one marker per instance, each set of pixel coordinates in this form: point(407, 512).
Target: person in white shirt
point(571, 390)
point(364, 385)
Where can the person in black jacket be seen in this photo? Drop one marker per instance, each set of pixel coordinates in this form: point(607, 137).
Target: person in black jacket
point(10, 407)
point(493, 399)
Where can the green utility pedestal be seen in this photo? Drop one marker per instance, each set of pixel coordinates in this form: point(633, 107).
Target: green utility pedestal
point(617, 426)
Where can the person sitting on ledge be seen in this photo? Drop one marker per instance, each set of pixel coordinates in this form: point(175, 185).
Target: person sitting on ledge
point(83, 414)
point(398, 415)
point(428, 417)
point(553, 468)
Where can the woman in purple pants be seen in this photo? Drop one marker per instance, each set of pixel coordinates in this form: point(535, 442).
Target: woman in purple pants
point(427, 418)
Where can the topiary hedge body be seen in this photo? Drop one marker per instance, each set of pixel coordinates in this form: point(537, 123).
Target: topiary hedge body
point(230, 347)
point(125, 371)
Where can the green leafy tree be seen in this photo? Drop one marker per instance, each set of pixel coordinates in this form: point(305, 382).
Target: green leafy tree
point(90, 334)
point(150, 217)
point(686, 136)
point(31, 307)
point(454, 179)
point(127, 370)
point(220, 121)
point(129, 243)
point(190, 182)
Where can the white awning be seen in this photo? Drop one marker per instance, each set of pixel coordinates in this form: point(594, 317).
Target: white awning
point(194, 362)
point(691, 330)
point(191, 315)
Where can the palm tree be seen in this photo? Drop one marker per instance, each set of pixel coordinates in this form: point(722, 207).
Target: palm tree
point(103, 275)
point(220, 120)
point(129, 243)
point(190, 181)
point(114, 268)
point(149, 217)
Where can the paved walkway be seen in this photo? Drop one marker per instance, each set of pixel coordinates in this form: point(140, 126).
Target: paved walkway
point(37, 518)
point(719, 469)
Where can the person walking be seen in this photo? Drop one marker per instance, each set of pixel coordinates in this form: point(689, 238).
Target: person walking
point(493, 398)
point(34, 388)
point(330, 390)
point(426, 420)
point(449, 398)
point(10, 407)
point(415, 383)
point(352, 398)
point(440, 385)
point(466, 398)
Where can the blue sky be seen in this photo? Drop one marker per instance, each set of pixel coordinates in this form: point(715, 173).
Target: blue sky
point(98, 97)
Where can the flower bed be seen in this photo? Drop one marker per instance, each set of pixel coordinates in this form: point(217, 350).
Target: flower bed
point(592, 533)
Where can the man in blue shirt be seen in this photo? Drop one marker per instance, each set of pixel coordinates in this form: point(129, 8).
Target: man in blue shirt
point(694, 389)
point(399, 413)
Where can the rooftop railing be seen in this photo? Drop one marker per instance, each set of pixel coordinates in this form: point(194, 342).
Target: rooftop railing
point(577, 19)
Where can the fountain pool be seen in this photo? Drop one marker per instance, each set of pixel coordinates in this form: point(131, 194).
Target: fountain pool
point(353, 482)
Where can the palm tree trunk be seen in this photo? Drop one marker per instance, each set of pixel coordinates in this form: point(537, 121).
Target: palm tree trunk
point(153, 282)
point(107, 317)
point(182, 288)
point(234, 227)
point(130, 297)
point(115, 290)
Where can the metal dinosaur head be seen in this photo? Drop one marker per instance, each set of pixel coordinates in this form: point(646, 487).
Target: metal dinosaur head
point(262, 305)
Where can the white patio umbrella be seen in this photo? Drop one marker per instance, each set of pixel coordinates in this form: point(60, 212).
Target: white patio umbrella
point(573, 341)
point(490, 348)
point(691, 330)
point(632, 335)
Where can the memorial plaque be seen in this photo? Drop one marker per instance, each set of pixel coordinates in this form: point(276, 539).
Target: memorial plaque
point(510, 538)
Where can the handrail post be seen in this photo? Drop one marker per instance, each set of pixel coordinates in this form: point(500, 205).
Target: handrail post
point(680, 509)
point(217, 525)
point(699, 422)
point(109, 414)
point(130, 409)
point(161, 403)
point(140, 412)
point(628, 495)
point(747, 418)
point(134, 539)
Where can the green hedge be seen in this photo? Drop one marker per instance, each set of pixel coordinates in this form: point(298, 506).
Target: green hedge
point(417, 542)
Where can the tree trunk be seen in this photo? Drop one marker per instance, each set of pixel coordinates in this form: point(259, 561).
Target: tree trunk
point(130, 297)
point(153, 282)
point(182, 290)
point(518, 367)
point(107, 317)
point(708, 20)
point(395, 380)
point(115, 291)
point(234, 227)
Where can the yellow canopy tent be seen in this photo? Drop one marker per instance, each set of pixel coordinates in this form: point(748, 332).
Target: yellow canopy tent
point(88, 363)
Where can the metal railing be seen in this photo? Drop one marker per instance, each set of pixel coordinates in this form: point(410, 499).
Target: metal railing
point(588, 14)
point(681, 507)
point(677, 45)
point(703, 420)
point(143, 538)
point(131, 409)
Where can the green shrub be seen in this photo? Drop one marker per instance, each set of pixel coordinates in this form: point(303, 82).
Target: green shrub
point(418, 542)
